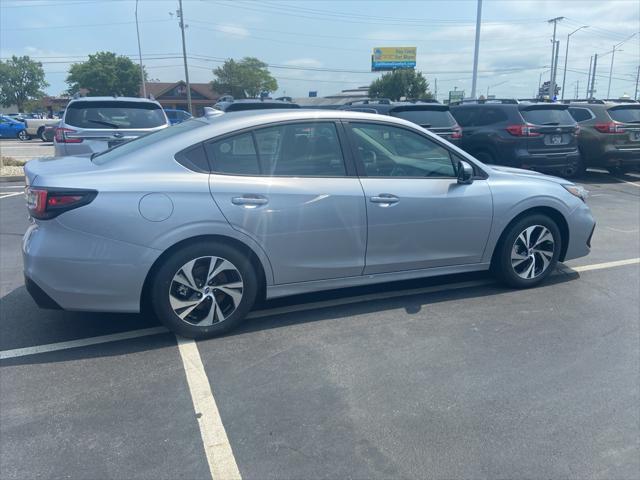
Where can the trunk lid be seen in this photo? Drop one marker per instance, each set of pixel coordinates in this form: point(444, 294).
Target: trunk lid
point(628, 116)
point(57, 172)
point(555, 126)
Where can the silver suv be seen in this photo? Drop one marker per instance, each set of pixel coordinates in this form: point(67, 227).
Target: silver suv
point(94, 124)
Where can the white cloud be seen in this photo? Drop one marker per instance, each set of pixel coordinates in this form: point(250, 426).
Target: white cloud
point(236, 31)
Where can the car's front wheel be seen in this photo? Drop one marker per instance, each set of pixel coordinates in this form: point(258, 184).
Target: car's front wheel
point(23, 135)
point(528, 251)
point(204, 289)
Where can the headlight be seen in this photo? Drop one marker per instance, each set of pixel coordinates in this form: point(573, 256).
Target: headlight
point(577, 191)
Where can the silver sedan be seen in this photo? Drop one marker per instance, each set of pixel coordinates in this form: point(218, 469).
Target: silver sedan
point(200, 220)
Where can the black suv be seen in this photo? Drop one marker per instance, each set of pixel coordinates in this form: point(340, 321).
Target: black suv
point(430, 115)
point(609, 134)
point(537, 136)
point(228, 104)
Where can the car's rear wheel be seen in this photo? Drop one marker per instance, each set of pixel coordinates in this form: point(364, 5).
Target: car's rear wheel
point(41, 134)
point(528, 251)
point(23, 135)
point(204, 289)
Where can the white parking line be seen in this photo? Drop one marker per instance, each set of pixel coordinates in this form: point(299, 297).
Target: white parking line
point(600, 266)
point(83, 342)
point(628, 182)
point(222, 463)
point(9, 194)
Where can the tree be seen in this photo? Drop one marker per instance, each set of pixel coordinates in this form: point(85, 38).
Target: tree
point(400, 83)
point(105, 73)
point(21, 79)
point(247, 78)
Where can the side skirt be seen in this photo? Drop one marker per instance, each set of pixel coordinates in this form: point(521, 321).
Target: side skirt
point(275, 291)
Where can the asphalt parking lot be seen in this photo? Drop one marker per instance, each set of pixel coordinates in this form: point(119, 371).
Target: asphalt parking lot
point(455, 377)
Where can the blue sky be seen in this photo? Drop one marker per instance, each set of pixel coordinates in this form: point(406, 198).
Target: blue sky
point(326, 45)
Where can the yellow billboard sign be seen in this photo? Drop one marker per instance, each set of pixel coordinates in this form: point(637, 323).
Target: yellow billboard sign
point(392, 58)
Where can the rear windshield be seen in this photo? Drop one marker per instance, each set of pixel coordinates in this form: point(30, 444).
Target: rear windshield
point(426, 118)
point(547, 116)
point(114, 114)
point(625, 114)
point(136, 144)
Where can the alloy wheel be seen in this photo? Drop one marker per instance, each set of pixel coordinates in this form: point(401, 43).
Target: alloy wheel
point(206, 290)
point(532, 252)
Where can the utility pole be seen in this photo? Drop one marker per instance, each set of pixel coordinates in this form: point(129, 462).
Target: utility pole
point(435, 95)
point(184, 56)
point(613, 53)
point(552, 80)
point(586, 95)
point(566, 56)
point(476, 50)
point(554, 69)
point(577, 88)
point(637, 78)
point(144, 87)
point(592, 90)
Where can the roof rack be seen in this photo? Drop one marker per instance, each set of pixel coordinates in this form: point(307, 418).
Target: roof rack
point(505, 101)
point(422, 100)
point(367, 101)
point(585, 100)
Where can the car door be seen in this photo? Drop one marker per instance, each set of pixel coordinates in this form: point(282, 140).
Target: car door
point(418, 215)
point(290, 188)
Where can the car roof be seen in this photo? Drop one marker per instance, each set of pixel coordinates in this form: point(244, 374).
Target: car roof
point(113, 99)
point(253, 118)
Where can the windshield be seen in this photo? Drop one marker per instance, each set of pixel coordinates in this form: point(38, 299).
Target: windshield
point(114, 114)
point(428, 118)
point(547, 116)
point(630, 114)
point(136, 144)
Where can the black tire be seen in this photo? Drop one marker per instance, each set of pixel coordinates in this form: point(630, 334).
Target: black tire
point(577, 170)
point(619, 170)
point(23, 135)
point(502, 265)
point(41, 134)
point(163, 280)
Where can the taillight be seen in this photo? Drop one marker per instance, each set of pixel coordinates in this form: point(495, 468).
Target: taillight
point(61, 136)
point(610, 127)
point(523, 130)
point(45, 203)
point(457, 132)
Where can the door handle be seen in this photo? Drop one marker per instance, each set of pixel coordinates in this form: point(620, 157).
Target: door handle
point(250, 200)
point(384, 199)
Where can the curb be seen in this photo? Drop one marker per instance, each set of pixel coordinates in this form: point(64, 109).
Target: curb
point(11, 178)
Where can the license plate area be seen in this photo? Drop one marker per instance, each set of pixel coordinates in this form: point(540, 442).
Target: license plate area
point(556, 139)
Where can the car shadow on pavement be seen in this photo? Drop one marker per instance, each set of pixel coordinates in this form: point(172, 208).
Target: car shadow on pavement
point(25, 325)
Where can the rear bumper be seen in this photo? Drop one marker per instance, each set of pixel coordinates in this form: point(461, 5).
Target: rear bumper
point(71, 270)
point(550, 161)
point(616, 157)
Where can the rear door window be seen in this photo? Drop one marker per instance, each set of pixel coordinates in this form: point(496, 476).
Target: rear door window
point(465, 116)
point(626, 114)
point(234, 155)
point(112, 114)
point(489, 116)
point(547, 116)
point(426, 118)
point(304, 149)
point(580, 114)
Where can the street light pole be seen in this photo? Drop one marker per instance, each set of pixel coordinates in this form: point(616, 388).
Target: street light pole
point(184, 56)
point(476, 50)
point(144, 87)
point(552, 80)
point(637, 78)
point(566, 56)
point(592, 90)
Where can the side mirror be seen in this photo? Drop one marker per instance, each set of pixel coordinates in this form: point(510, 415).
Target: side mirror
point(465, 173)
